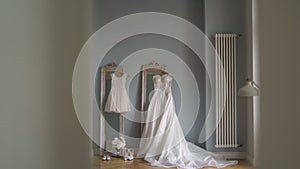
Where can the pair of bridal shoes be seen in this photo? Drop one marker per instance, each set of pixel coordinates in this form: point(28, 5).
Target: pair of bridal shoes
point(106, 158)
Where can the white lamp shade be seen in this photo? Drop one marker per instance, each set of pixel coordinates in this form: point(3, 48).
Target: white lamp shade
point(248, 90)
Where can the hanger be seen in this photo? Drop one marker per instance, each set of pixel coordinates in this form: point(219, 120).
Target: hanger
point(114, 68)
point(119, 69)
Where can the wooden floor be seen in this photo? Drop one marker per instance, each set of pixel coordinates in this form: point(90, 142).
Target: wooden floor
point(138, 163)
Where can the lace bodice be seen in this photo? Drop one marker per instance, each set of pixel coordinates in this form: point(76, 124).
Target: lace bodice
point(162, 83)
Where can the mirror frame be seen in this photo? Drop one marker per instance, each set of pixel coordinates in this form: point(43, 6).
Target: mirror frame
point(105, 74)
point(150, 68)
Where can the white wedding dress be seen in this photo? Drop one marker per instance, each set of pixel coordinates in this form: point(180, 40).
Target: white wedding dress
point(163, 143)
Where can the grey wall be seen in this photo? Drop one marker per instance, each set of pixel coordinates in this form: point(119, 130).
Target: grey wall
point(39, 44)
point(130, 45)
point(230, 16)
point(108, 10)
point(191, 10)
point(278, 50)
point(210, 16)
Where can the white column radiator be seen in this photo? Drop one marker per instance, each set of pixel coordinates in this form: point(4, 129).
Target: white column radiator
point(226, 120)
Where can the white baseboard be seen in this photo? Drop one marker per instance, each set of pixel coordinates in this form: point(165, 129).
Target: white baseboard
point(233, 155)
point(226, 155)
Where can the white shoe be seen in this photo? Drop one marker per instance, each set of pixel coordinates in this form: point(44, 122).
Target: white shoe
point(106, 157)
point(128, 158)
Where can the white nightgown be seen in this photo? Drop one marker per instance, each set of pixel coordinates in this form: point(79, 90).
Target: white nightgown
point(118, 100)
point(163, 142)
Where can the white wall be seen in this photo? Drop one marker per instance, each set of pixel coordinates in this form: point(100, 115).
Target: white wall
point(39, 43)
point(278, 30)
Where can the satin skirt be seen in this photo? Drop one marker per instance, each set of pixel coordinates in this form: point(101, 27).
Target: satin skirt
point(163, 142)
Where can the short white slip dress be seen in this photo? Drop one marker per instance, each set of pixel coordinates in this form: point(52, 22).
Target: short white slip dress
point(118, 100)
